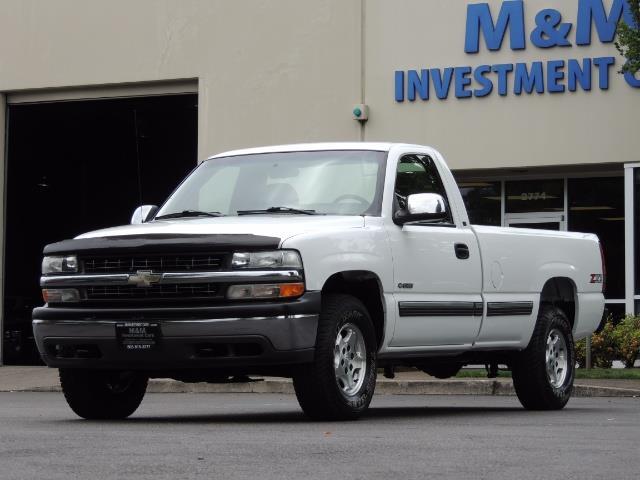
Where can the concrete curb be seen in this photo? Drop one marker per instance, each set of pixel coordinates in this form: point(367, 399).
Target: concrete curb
point(384, 387)
point(595, 391)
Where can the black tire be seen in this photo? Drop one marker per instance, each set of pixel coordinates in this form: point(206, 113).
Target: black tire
point(102, 395)
point(316, 385)
point(531, 381)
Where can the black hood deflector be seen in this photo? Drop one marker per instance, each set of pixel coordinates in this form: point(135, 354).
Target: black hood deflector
point(161, 243)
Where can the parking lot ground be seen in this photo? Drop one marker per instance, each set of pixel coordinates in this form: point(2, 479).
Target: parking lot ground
point(43, 379)
point(266, 436)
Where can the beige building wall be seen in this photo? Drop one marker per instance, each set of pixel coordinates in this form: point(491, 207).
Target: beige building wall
point(494, 131)
point(291, 70)
point(268, 72)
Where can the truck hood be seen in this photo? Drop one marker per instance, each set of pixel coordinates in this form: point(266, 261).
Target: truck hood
point(281, 226)
point(199, 234)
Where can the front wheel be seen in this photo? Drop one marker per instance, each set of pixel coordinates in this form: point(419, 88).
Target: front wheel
point(103, 395)
point(543, 373)
point(340, 382)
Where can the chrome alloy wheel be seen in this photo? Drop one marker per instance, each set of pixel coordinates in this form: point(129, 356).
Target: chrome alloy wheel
point(350, 359)
point(556, 358)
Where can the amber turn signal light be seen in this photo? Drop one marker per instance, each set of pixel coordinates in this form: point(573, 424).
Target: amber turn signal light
point(291, 289)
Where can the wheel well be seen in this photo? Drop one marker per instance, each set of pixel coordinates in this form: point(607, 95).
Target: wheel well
point(561, 292)
point(366, 287)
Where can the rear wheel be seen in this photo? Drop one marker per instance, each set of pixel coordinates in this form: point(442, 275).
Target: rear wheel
point(340, 382)
point(543, 373)
point(103, 395)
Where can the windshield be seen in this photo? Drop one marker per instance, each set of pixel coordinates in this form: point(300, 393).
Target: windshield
point(324, 182)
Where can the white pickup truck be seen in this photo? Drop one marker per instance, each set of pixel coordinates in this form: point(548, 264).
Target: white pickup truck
point(320, 262)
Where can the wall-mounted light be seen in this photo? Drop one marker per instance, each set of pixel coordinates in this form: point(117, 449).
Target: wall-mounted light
point(361, 112)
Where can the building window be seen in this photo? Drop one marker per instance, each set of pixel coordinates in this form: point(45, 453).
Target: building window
point(525, 196)
point(483, 202)
point(636, 227)
point(596, 205)
point(615, 310)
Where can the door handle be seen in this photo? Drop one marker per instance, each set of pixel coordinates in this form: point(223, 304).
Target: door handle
point(462, 251)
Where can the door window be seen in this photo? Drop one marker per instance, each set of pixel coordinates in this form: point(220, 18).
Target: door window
point(418, 174)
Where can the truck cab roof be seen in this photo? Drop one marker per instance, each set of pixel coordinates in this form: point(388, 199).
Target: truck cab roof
point(310, 147)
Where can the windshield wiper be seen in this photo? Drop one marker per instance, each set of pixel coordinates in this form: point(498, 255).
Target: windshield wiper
point(189, 213)
point(277, 210)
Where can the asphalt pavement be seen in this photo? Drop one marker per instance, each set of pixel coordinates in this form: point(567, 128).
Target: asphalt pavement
point(413, 382)
point(239, 436)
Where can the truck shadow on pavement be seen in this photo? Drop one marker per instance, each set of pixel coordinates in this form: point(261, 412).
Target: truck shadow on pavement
point(374, 414)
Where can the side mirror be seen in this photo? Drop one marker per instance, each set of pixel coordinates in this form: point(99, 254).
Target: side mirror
point(422, 207)
point(143, 213)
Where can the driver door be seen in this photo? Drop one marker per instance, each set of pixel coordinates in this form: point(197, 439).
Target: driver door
point(437, 272)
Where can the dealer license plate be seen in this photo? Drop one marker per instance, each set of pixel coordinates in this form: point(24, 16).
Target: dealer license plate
point(138, 336)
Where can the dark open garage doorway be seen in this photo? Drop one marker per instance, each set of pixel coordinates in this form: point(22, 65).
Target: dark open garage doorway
point(77, 166)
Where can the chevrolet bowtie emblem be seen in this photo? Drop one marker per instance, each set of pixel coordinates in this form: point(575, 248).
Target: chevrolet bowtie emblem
point(144, 278)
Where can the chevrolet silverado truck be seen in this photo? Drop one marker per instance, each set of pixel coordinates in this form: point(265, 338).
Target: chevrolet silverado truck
point(322, 263)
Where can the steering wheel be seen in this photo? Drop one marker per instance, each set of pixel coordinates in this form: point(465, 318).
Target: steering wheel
point(350, 196)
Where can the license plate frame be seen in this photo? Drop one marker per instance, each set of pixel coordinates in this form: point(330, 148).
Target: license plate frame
point(138, 336)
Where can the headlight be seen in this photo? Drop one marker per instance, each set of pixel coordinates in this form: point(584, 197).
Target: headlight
point(61, 295)
point(252, 291)
point(275, 259)
point(68, 264)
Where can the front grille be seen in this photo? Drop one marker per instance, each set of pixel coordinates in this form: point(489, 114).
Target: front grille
point(156, 263)
point(153, 292)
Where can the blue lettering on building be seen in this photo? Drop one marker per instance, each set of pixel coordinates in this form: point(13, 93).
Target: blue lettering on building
point(418, 83)
point(479, 20)
point(593, 12)
point(484, 82)
point(527, 79)
point(551, 30)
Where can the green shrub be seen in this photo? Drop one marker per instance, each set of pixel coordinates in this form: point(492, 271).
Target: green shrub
point(581, 353)
point(603, 348)
point(626, 336)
